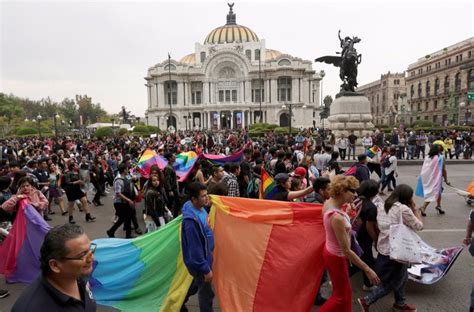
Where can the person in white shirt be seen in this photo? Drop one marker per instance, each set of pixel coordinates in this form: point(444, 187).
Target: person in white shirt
point(342, 144)
point(390, 170)
point(367, 142)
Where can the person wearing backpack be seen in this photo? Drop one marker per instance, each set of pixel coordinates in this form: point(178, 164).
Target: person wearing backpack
point(390, 169)
point(124, 202)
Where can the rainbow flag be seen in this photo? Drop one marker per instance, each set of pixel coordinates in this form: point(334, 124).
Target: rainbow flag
point(19, 253)
point(143, 274)
point(183, 165)
point(371, 152)
point(148, 273)
point(267, 185)
point(236, 157)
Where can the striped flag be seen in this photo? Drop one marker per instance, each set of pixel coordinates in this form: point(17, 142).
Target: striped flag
point(267, 185)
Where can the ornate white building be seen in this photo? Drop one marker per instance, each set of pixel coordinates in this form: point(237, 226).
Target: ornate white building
point(227, 79)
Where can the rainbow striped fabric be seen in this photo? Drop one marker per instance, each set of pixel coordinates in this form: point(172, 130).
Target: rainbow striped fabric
point(267, 185)
point(183, 165)
point(19, 253)
point(262, 237)
point(221, 160)
point(371, 152)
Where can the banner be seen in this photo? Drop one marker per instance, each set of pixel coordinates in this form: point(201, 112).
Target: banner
point(435, 264)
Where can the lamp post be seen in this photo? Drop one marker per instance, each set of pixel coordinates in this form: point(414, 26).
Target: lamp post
point(62, 126)
point(170, 97)
point(260, 88)
point(146, 117)
point(70, 125)
point(186, 121)
point(460, 105)
point(39, 117)
point(55, 125)
point(190, 124)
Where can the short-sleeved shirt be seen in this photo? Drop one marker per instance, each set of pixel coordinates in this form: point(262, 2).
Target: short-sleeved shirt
point(41, 295)
point(118, 188)
point(281, 194)
point(368, 213)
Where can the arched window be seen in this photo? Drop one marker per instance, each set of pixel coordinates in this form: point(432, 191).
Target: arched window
point(470, 80)
point(428, 88)
point(284, 62)
point(412, 91)
point(419, 89)
point(170, 66)
point(248, 53)
point(171, 91)
point(284, 120)
point(203, 56)
point(457, 82)
point(446, 85)
point(436, 87)
point(284, 89)
point(257, 54)
point(171, 121)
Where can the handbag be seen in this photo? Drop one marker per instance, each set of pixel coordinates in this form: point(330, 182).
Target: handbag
point(405, 244)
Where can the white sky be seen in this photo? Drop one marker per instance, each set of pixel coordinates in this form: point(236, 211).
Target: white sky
point(104, 48)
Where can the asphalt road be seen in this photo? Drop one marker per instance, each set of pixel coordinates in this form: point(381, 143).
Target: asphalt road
point(452, 293)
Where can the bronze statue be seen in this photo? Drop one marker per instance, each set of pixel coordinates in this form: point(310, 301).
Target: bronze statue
point(347, 62)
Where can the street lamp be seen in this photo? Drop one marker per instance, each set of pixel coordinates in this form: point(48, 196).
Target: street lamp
point(260, 88)
point(62, 126)
point(170, 97)
point(55, 125)
point(146, 117)
point(70, 125)
point(321, 74)
point(186, 121)
point(462, 104)
point(39, 117)
point(189, 118)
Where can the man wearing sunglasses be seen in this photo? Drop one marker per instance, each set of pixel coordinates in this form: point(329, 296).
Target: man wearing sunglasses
point(66, 258)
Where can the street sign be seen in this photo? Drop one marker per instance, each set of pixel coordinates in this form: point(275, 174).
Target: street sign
point(470, 96)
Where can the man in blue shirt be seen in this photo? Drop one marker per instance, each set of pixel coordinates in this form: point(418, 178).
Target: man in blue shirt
point(198, 245)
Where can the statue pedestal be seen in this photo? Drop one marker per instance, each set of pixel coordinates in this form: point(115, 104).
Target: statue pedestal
point(351, 113)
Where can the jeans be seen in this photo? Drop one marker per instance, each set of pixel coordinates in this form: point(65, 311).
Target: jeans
point(205, 293)
point(411, 151)
point(401, 152)
point(393, 276)
point(342, 153)
point(388, 178)
point(421, 149)
point(353, 149)
point(123, 211)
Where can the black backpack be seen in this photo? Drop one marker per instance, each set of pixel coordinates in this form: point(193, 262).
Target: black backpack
point(387, 162)
point(128, 189)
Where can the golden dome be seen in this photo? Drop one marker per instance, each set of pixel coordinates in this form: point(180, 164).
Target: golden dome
point(230, 34)
point(272, 54)
point(189, 59)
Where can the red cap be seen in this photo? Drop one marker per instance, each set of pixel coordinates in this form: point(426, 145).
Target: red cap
point(300, 171)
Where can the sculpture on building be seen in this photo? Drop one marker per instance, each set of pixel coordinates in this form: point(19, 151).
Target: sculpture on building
point(347, 62)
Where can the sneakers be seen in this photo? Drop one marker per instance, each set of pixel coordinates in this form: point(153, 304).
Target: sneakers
point(4, 293)
point(368, 288)
point(405, 307)
point(110, 233)
point(363, 304)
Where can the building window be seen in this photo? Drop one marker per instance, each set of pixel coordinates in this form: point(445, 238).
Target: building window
point(248, 53)
point(234, 95)
point(221, 96)
point(470, 80)
point(378, 99)
point(257, 54)
point(446, 85)
point(419, 89)
point(284, 89)
point(457, 82)
point(412, 91)
point(436, 87)
point(196, 92)
point(383, 97)
point(418, 107)
point(227, 95)
point(435, 104)
point(171, 91)
point(427, 106)
point(428, 88)
point(258, 91)
point(469, 54)
point(426, 117)
point(435, 118)
point(203, 56)
point(384, 83)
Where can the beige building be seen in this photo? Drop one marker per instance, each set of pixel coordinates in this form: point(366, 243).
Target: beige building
point(385, 97)
point(227, 78)
point(437, 85)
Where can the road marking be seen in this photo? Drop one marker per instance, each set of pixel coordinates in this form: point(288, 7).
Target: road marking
point(442, 230)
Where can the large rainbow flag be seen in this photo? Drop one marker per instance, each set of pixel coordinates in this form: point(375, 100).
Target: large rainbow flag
point(222, 160)
point(267, 185)
point(261, 247)
point(183, 165)
point(371, 152)
point(20, 252)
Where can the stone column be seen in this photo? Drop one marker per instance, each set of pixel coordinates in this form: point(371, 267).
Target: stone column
point(241, 92)
point(248, 91)
point(294, 90)
point(156, 94)
point(243, 118)
point(180, 94)
point(148, 90)
point(232, 119)
point(205, 92)
point(219, 120)
point(161, 94)
point(274, 85)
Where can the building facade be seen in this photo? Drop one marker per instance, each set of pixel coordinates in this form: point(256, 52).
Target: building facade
point(227, 79)
point(386, 97)
point(438, 83)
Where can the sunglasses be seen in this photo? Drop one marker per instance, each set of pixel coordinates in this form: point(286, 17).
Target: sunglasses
point(81, 257)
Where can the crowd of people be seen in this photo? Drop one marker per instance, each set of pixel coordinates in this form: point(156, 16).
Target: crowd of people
point(305, 167)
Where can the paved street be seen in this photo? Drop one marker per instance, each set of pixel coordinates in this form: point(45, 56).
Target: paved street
point(450, 294)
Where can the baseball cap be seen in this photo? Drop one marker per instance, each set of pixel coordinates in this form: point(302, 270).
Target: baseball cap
point(300, 171)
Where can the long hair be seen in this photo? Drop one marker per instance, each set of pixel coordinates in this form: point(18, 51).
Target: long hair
point(402, 193)
point(434, 150)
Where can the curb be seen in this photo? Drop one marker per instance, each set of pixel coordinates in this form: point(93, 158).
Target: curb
point(416, 162)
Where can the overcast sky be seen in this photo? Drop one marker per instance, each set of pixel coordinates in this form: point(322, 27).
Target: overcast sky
point(104, 48)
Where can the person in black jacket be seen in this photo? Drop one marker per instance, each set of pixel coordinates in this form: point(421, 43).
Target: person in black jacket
point(362, 172)
point(171, 184)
